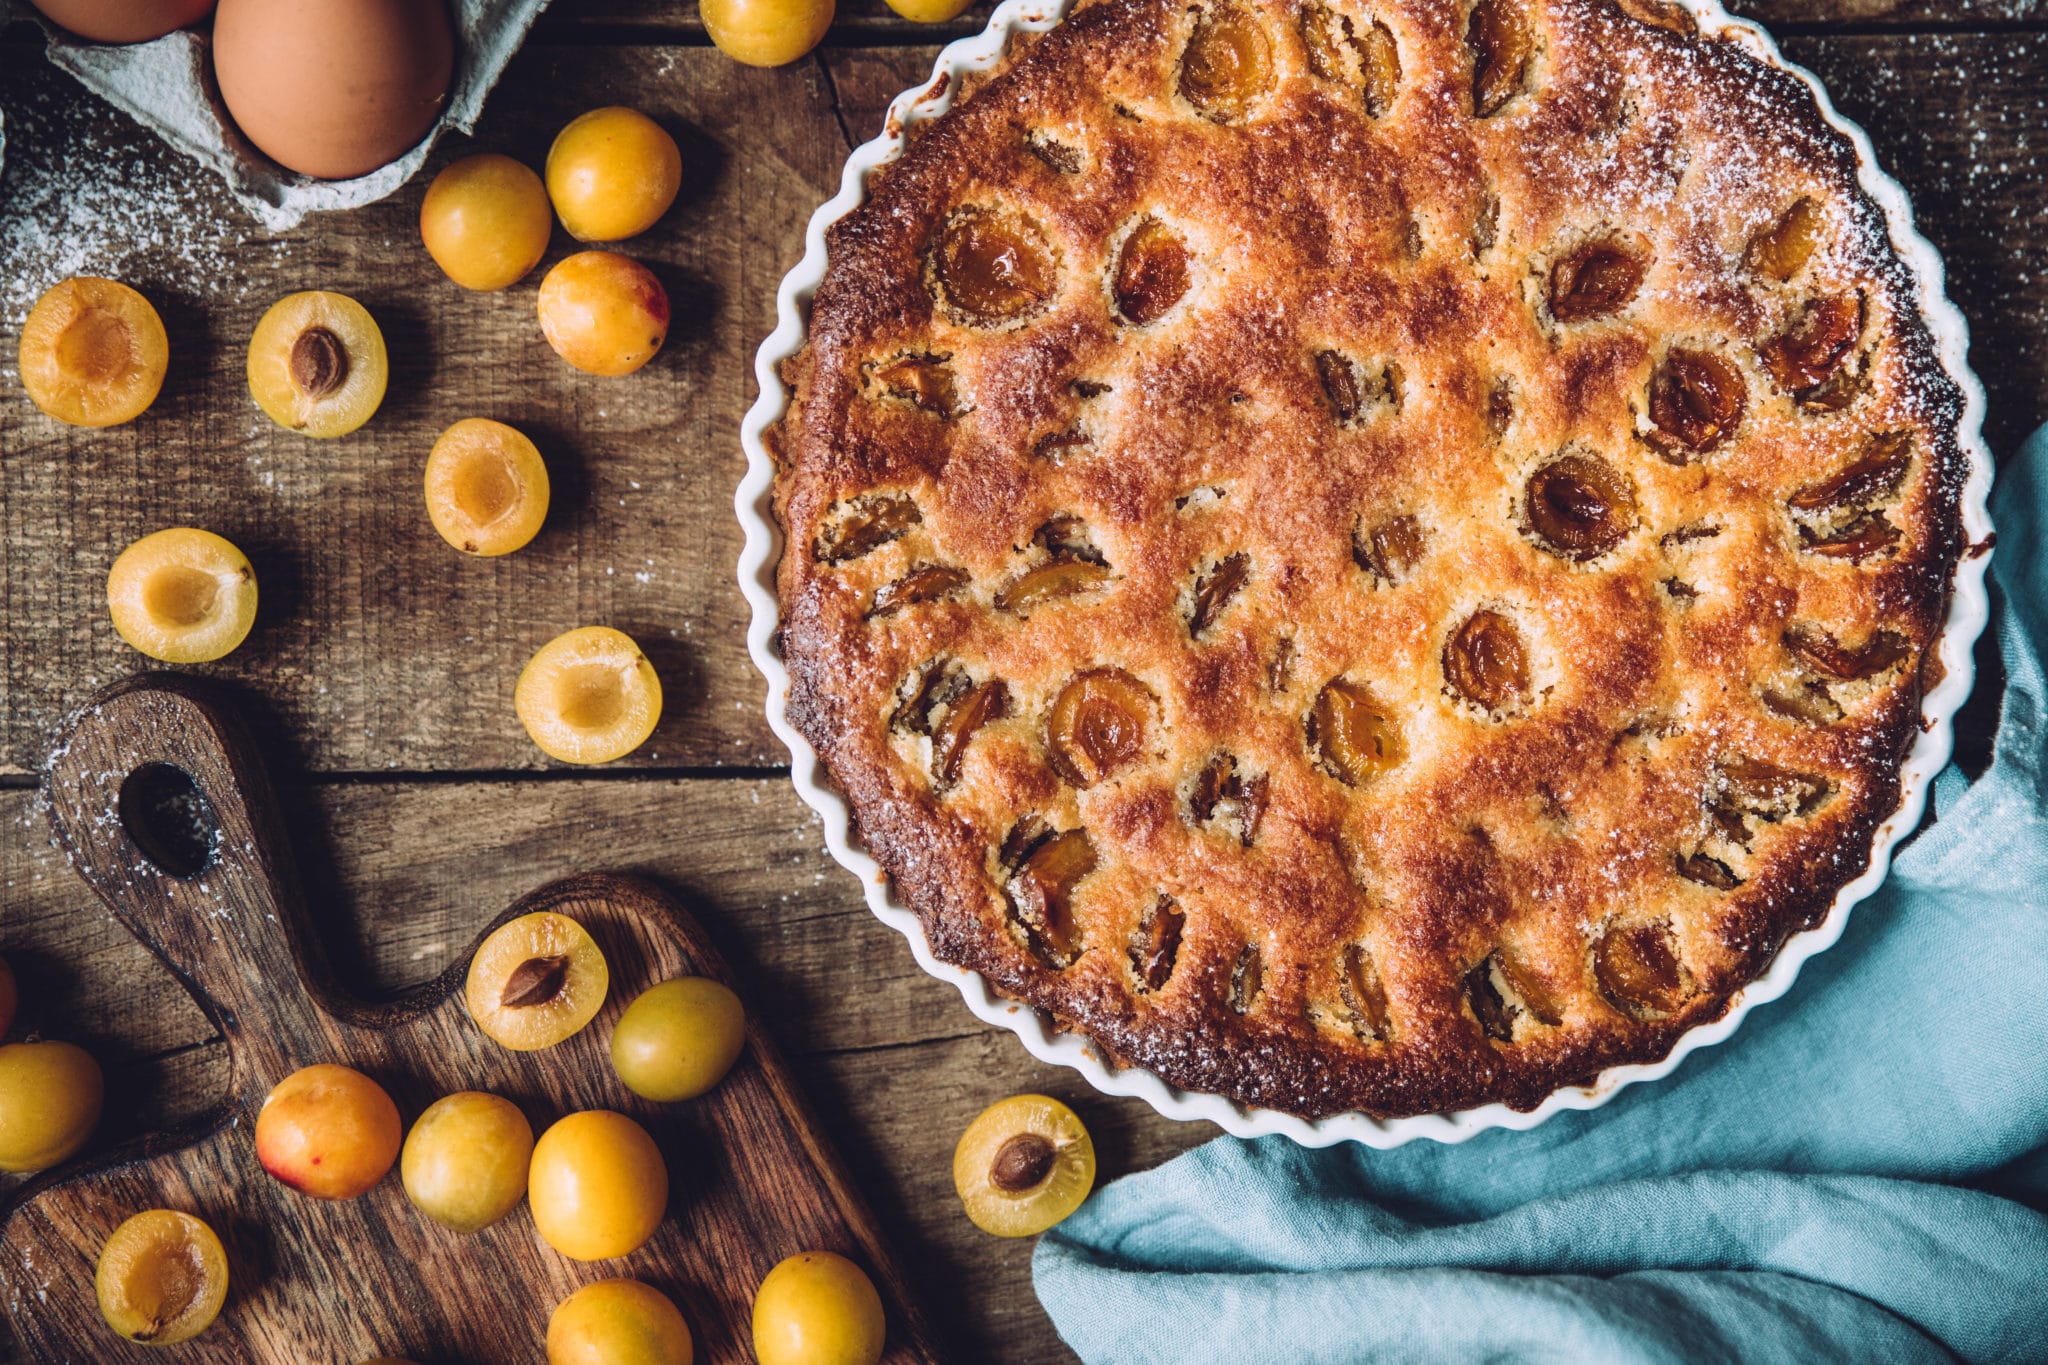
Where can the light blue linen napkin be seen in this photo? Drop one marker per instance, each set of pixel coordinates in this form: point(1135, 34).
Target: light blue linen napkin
point(1861, 1173)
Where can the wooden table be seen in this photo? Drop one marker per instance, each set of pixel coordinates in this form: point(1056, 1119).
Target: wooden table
point(382, 665)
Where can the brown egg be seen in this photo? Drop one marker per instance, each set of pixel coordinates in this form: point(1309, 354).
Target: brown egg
point(124, 21)
point(333, 88)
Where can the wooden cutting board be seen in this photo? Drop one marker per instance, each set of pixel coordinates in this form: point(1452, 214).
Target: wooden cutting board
point(313, 1283)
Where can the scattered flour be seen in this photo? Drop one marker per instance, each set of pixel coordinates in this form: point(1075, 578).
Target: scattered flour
point(165, 86)
point(88, 194)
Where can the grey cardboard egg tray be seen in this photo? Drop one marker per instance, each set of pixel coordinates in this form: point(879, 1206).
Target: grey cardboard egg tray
point(167, 85)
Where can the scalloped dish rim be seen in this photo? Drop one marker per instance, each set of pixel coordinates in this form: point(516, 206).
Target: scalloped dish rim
point(1968, 614)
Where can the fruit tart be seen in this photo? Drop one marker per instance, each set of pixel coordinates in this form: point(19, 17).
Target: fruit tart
point(1369, 555)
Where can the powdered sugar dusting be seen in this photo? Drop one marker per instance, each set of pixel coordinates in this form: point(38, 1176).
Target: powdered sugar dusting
point(87, 193)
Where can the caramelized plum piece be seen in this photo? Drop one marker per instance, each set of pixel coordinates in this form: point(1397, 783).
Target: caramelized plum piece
point(1486, 226)
point(1750, 788)
point(1364, 57)
point(1412, 240)
point(1155, 943)
point(1056, 447)
point(1024, 836)
point(981, 704)
point(1730, 824)
point(1379, 68)
point(864, 525)
point(1057, 155)
point(1877, 470)
point(1341, 385)
point(1598, 277)
point(994, 266)
point(1041, 893)
point(926, 693)
point(1352, 735)
point(1868, 535)
point(1215, 589)
point(1066, 537)
point(1500, 406)
point(1827, 656)
point(1500, 992)
point(1781, 250)
point(1711, 872)
point(1326, 33)
point(1757, 787)
point(1495, 1015)
point(1696, 401)
point(921, 380)
point(925, 583)
point(1224, 797)
point(1152, 273)
point(1636, 967)
point(1050, 582)
point(1247, 979)
point(1354, 390)
point(1809, 703)
point(1838, 392)
point(1502, 44)
point(1391, 550)
point(1358, 982)
point(1580, 506)
point(1688, 533)
point(1673, 18)
point(1228, 64)
point(1808, 353)
point(1097, 725)
point(1486, 663)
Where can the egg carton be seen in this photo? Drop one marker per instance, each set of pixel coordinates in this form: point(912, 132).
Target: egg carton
point(167, 85)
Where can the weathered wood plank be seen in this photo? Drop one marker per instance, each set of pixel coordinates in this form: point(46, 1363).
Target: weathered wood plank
point(405, 873)
point(381, 646)
point(1962, 121)
point(900, 1111)
point(381, 649)
point(871, 21)
point(241, 932)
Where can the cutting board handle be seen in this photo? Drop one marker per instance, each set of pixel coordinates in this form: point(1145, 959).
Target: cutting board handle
point(157, 794)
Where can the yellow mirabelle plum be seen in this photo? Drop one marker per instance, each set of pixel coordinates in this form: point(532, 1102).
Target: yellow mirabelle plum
point(612, 173)
point(162, 1278)
point(486, 221)
point(589, 696)
point(603, 313)
point(183, 595)
point(93, 352)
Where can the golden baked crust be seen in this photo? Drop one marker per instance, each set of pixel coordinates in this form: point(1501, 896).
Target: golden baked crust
point(1452, 503)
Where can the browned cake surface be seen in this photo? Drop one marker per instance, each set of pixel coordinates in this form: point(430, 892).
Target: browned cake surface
point(1371, 556)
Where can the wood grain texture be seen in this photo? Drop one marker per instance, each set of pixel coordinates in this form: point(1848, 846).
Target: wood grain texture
point(872, 22)
point(380, 651)
point(753, 1177)
point(383, 647)
point(403, 874)
point(384, 650)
